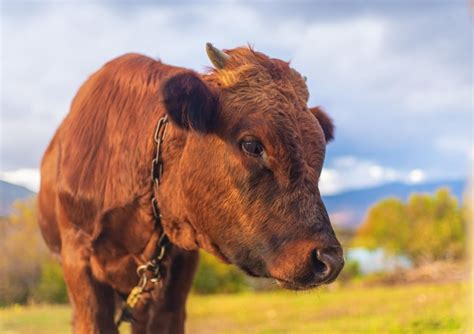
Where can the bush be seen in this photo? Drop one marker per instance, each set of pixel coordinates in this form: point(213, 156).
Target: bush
point(213, 276)
point(51, 287)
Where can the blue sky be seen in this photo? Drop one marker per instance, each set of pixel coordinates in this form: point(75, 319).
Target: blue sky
point(395, 77)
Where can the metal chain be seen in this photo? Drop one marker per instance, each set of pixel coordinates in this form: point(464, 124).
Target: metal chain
point(152, 270)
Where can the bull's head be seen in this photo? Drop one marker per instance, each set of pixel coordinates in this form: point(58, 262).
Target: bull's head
point(243, 173)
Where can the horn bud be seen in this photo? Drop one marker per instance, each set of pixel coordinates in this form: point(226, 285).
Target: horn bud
point(217, 57)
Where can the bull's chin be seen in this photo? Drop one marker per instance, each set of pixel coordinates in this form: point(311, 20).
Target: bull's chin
point(295, 285)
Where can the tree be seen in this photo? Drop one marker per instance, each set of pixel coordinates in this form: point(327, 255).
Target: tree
point(426, 228)
point(386, 226)
point(438, 227)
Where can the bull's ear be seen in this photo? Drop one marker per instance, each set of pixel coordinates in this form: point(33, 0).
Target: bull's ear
point(325, 121)
point(189, 102)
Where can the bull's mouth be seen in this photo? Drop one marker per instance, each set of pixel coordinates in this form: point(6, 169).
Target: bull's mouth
point(306, 283)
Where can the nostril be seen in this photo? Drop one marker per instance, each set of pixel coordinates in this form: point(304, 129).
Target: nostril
point(333, 261)
point(320, 267)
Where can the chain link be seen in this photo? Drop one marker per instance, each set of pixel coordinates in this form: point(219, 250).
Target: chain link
point(157, 162)
point(152, 268)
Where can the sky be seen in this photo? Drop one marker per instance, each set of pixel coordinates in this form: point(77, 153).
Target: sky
point(395, 76)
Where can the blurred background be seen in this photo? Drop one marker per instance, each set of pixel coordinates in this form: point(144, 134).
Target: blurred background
point(396, 77)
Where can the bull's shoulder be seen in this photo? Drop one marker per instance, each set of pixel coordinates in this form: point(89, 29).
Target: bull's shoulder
point(106, 140)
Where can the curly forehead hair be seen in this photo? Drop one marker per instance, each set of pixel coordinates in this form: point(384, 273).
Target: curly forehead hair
point(247, 67)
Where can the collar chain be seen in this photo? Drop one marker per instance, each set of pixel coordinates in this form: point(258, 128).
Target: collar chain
point(151, 271)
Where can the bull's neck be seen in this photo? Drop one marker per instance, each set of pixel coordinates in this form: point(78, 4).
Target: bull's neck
point(172, 148)
point(170, 192)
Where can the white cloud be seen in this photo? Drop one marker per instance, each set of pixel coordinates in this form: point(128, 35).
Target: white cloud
point(349, 172)
point(27, 177)
point(416, 176)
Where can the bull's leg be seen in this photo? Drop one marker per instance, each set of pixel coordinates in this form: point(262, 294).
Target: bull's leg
point(73, 307)
point(93, 301)
point(167, 311)
point(141, 315)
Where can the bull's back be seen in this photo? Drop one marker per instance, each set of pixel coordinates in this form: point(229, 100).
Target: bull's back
point(47, 198)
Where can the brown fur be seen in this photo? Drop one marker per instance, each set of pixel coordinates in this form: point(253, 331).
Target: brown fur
point(264, 215)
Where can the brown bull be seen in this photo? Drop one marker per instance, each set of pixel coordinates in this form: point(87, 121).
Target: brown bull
point(242, 155)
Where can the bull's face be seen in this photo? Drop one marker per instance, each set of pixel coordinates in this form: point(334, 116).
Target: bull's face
point(249, 169)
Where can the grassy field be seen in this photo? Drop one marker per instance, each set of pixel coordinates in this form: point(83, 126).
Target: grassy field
point(428, 308)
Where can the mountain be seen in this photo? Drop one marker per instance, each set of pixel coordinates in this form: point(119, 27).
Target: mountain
point(348, 209)
point(9, 193)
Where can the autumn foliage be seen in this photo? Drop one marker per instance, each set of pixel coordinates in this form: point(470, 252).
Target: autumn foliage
point(426, 228)
point(28, 273)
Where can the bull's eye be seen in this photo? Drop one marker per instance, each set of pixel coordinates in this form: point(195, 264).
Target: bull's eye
point(252, 147)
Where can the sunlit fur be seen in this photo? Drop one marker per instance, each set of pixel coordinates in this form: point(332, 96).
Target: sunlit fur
point(264, 215)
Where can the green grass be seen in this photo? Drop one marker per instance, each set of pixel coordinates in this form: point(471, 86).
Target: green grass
point(428, 308)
